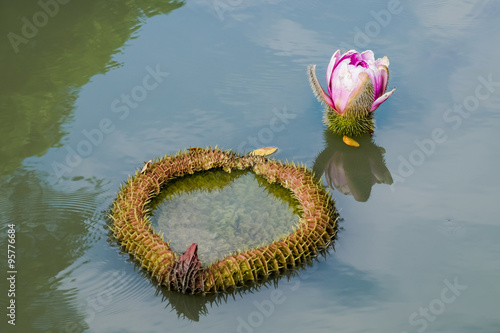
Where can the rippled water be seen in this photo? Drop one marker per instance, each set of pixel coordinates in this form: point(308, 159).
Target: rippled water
point(89, 90)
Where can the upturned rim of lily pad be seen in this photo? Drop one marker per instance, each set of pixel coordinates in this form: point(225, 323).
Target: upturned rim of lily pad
point(185, 273)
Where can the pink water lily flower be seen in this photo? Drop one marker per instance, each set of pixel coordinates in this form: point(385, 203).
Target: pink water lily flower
point(356, 82)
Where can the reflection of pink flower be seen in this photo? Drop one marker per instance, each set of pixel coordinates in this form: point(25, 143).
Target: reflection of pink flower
point(356, 82)
point(352, 171)
point(335, 174)
point(357, 182)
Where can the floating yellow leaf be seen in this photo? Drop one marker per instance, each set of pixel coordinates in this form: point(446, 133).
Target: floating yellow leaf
point(350, 142)
point(263, 151)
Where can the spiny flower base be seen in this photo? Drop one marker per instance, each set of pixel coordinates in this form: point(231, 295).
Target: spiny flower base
point(350, 125)
point(185, 273)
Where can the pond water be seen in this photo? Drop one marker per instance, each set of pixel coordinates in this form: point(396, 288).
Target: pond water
point(223, 213)
point(89, 90)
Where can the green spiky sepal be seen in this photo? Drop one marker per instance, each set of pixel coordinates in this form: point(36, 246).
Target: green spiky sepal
point(350, 124)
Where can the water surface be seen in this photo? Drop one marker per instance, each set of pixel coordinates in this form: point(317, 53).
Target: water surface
point(223, 213)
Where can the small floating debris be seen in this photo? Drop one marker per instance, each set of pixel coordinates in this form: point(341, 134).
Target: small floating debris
point(350, 142)
point(263, 151)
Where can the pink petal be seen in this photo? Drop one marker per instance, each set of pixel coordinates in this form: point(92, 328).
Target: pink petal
point(345, 56)
point(338, 61)
point(368, 56)
point(332, 63)
point(381, 100)
point(331, 68)
point(339, 98)
point(356, 61)
point(328, 99)
point(384, 78)
point(339, 90)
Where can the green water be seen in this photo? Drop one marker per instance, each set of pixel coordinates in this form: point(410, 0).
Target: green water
point(223, 219)
point(89, 90)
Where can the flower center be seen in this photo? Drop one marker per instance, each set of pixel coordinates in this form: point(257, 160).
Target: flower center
point(356, 60)
point(361, 63)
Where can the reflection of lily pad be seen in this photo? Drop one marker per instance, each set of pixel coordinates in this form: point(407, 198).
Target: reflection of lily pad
point(131, 214)
point(223, 219)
